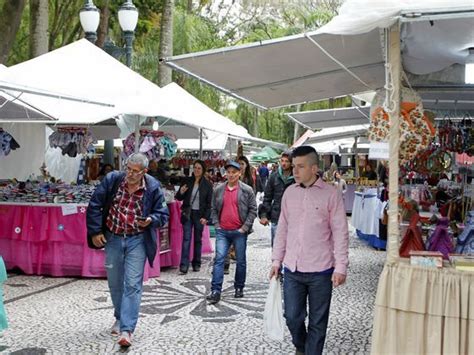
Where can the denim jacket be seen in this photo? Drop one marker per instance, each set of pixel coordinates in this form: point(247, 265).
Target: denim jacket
point(247, 205)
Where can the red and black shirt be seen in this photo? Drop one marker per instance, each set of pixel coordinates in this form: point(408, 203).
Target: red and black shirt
point(124, 210)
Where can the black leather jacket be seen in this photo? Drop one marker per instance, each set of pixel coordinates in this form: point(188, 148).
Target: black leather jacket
point(205, 197)
point(271, 205)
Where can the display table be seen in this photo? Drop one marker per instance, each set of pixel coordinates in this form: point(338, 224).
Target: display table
point(45, 239)
point(366, 212)
point(423, 311)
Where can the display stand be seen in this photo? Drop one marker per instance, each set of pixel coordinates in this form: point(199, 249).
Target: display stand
point(48, 239)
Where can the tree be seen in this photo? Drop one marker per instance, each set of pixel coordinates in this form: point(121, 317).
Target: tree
point(38, 27)
point(10, 19)
point(166, 43)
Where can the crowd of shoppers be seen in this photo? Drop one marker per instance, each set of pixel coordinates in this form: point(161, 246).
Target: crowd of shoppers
point(309, 234)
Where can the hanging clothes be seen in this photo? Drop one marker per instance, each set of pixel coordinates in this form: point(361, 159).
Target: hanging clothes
point(7, 143)
point(71, 140)
point(155, 145)
point(465, 244)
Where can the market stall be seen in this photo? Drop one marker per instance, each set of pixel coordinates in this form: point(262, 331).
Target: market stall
point(418, 309)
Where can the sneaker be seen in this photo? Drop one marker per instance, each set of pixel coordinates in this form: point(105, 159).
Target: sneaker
point(196, 268)
point(125, 339)
point(183, 271)
point(115, 330)
point(214, 297)
point(239, 293)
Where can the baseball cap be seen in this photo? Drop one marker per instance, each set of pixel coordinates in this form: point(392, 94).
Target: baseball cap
point(232, 164)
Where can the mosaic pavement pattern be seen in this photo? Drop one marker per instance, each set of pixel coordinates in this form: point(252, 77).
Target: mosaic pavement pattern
point(67, 315)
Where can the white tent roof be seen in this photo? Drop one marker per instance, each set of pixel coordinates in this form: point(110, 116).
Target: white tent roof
point(309, 67)
point(338, 117)
point(289, 70)
point(214, 141)
point(82, 70)
point(335, 133)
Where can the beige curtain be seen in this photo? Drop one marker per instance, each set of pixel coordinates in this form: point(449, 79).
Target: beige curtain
point(423, 311)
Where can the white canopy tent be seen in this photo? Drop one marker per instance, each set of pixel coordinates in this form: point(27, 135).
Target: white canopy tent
point(339, 117)
point(343, 57)
point(336, 133)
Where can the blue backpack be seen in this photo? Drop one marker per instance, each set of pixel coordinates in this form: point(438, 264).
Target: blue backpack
point(465, 243)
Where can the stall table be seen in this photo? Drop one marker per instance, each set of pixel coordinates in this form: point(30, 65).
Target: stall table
point(45, 239)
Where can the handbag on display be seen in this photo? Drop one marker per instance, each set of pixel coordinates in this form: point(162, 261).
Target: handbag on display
point(440, 240)
point(412, 239)
point(465, 244)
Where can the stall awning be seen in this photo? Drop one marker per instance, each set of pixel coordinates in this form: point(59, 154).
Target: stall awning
point(330, 134)
point(315, 65)
point(290, 70)
point(339, 117)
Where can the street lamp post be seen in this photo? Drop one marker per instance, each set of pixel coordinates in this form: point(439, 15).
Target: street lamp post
point(89, 16)
point(128, 19)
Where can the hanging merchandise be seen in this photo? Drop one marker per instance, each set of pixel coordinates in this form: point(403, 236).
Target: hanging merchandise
point(211, 158)
point(465, 244)
point(7, 143)
point(72, 140)
point(155, 145)
point(441, 240)
point(416, 128)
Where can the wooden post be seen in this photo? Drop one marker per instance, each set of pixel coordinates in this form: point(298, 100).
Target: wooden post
point(393, 108)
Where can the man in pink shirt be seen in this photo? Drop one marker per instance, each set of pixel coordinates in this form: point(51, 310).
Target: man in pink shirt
point(312, 243)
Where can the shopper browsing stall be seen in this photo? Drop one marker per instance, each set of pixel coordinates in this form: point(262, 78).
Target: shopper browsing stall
point(196, 195)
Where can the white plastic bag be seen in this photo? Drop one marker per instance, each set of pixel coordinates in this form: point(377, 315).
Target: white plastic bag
point(273, 323)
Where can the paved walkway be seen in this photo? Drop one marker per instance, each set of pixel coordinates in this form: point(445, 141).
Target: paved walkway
point(67, 315)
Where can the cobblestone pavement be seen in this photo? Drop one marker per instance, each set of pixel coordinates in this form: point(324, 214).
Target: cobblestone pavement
point(68, 315)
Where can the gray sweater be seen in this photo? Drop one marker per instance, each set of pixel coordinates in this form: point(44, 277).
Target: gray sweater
point(247, 205)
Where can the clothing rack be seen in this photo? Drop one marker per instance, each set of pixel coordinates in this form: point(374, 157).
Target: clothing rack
point(72, 129)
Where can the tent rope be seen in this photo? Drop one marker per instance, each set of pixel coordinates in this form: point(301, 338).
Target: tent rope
point(338, 62)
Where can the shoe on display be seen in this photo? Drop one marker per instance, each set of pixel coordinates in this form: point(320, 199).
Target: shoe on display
point(115, 330)
point(239, 293)
point(125, 339)
point(213, 297)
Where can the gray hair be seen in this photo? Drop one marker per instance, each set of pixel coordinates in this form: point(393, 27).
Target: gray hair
point(138, 158)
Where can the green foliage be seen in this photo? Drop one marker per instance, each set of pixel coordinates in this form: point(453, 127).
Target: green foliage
point(209, 24)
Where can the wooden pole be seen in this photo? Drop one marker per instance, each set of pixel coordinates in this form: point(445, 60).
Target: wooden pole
point(393, 109)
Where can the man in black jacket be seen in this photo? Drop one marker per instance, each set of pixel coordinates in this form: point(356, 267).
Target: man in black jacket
point(270, 208)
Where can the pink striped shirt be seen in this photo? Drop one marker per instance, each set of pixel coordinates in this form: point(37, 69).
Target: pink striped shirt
point(312, 233)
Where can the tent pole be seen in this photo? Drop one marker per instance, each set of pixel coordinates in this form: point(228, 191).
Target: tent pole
point(137, 133)
point(200, 143)
point(393, 93)
point(356, 157)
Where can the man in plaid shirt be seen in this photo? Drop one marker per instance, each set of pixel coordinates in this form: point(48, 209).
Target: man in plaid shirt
point(122, 216)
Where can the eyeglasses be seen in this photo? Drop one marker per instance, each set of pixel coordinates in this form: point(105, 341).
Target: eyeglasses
point(133, 172)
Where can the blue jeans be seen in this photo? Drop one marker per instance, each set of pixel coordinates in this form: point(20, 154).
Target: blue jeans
point(224, 239)
point(298, 288)
point(273, 230)
point(125, 262)
point(193, 222)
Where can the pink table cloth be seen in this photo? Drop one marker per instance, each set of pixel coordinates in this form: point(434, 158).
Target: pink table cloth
point(40, 240)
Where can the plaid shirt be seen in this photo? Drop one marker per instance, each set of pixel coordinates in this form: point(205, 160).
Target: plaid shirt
point(124, 209)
